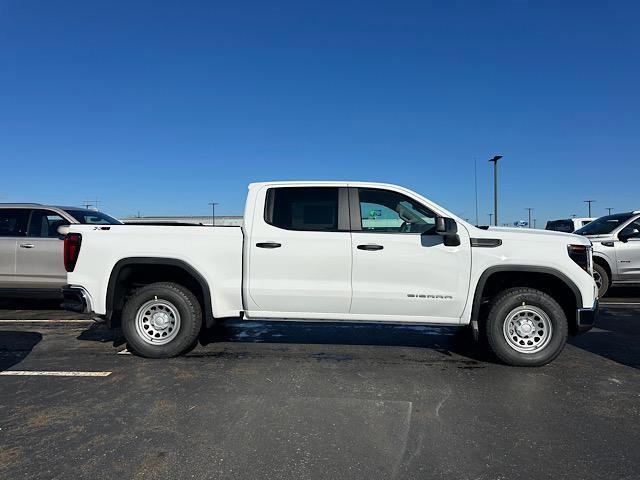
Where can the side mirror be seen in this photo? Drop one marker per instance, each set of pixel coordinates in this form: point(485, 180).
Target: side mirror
point(63, 230)
point(627, 233)
point(447, 228)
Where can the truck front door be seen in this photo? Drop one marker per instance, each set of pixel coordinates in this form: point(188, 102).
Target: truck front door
point(300, 252)
point(401, 267)
point(628, 252)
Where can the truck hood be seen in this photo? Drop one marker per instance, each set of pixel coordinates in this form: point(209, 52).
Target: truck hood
point(530, 234)
point(602, 238)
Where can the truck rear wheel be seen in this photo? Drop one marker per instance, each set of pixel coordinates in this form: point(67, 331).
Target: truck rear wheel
point(161, 320)
point(526, 327)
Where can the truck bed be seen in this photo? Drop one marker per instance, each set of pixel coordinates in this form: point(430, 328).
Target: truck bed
point(214, 252)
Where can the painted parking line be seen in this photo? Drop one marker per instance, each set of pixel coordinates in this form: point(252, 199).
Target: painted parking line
point(30, 373)
point(17, 320)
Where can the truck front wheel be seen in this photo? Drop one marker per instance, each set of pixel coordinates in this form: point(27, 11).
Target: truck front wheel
point(601, 278)
point(161, 320)
point(526, 327)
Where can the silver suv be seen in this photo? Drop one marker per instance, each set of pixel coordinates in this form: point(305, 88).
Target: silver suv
point(616, 249)
point(31, 255)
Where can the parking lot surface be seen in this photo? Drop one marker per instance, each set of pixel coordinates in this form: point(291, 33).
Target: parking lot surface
point(310, 401)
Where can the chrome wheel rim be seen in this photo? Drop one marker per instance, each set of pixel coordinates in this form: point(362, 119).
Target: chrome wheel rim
point(598, 279)
point(527, 329)
point(157, 322)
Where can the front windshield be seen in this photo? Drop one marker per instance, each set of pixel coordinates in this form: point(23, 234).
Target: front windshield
point(604, 225)
point(92, 217)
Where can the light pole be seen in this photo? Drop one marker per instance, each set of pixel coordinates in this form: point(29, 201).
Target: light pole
point(495, 187)
point(608, 209)
point(534, 223)
point(589, 202)
point(529, 209)
point(213, 213)
point(490, 215)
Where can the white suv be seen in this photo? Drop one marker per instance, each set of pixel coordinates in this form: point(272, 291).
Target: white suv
point(616, 249)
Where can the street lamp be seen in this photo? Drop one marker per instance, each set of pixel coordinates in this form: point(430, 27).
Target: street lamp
point(589, 202)
point(529, 209)
point(495, 187)
point(213, 213)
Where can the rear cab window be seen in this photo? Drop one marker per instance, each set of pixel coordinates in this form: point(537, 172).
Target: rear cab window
point(560, 226)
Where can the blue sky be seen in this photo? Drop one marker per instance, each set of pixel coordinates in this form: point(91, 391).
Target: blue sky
point(160, 107)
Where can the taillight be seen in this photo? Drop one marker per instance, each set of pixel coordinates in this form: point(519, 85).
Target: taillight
point(581, 254)
point(72, 244)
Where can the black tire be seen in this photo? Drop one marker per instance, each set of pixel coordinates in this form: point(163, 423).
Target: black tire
point(190, 316)
point(605, 281)
point(508, 301)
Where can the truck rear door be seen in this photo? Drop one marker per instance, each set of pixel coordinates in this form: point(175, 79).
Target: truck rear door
point(300, 252)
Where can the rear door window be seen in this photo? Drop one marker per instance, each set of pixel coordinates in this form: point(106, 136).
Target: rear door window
point(13, 222)
point(303, 208)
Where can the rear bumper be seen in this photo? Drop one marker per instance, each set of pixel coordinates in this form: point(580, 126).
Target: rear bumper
point(586, 317)
point(76, 299)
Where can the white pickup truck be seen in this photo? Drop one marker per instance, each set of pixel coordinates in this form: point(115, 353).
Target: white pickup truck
point(335, 251)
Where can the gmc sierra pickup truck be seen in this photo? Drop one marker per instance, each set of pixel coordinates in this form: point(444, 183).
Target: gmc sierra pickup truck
point(335, 251)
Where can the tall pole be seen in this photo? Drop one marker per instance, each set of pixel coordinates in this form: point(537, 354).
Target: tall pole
point(490, 215)
point(213, 213)
point(608, 209)
point(475, 181)
point(495, 188)
point(529, 215)
point(589, 202)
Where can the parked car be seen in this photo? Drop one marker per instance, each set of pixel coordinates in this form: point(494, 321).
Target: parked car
point(616, 249)
point(568, 225)
point(31, 248)
point(333, 251)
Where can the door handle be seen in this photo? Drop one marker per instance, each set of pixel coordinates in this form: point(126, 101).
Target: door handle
point(27, 245)
point(370, 246)
point(268, 245)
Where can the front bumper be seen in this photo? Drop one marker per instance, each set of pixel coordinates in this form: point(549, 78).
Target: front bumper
point(586, 317)
point(76, 299)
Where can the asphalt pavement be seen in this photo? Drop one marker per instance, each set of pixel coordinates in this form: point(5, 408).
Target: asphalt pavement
point(278, 400)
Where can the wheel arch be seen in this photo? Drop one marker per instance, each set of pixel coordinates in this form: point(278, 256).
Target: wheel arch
point(125, 270)
point(604, 262)
point(525, 275)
